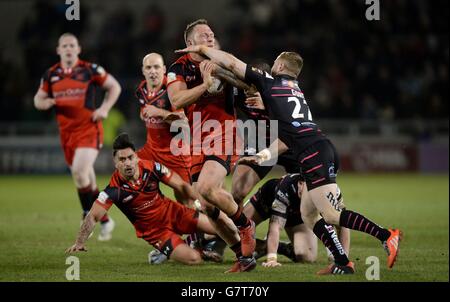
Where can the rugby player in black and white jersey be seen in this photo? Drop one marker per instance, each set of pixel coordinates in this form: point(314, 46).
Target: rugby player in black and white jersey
point(319, 162)
point(279, 199)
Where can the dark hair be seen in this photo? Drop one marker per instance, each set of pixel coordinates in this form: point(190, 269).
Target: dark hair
point(190, 28)
point(122, 141)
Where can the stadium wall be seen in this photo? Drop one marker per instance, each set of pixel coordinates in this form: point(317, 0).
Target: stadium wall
point(33, 154)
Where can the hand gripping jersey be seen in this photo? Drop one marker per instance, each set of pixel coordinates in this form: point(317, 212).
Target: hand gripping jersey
point(213, 106)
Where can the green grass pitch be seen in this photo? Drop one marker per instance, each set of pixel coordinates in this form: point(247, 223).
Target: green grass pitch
point(40, 217)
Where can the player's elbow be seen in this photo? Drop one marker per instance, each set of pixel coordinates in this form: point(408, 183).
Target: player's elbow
point(115, 88)
point(176, 103)
point(37, 103)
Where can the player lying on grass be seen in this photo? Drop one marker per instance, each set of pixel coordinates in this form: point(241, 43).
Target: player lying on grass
point(319, 161)
point(279, 199)
point(134, 189)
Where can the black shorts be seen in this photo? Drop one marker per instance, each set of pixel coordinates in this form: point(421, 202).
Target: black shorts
point(319, 164)
point(287, 160)
point(227, 161)
point(263, 199)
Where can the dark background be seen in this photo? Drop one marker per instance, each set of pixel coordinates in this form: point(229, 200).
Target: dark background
point(392, 69)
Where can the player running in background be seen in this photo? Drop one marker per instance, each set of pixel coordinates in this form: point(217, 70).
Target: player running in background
point(69, 87)
point(318, 159)
point(191, 86)
point(134, 189)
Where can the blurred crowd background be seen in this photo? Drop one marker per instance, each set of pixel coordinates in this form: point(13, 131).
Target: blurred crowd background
point(395, 68)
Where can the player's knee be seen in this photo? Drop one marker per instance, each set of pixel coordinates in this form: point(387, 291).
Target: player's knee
point(193, 258)
point(206, 191)
point(331, 217)
point(80, 176)
point(307, 257)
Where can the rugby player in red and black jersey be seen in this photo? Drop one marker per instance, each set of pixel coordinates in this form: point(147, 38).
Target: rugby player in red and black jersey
point(69, 87)
point(191, 86)
point(134, 189)
point(319, 162)
point(156, 111)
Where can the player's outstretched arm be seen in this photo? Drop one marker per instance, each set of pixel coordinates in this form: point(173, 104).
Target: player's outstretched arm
point(230, 78)
point(220, 57)
point(183, 189)
point(273, 239)
point(113, 90)
point(274, 150)
point(42, 101)
point(94, 215)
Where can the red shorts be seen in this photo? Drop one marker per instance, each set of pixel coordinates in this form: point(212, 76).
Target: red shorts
point(227, 161)
point(91, 137)
point(180, 164)
point(166, 234)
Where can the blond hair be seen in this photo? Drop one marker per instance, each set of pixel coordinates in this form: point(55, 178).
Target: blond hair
point(293, 62)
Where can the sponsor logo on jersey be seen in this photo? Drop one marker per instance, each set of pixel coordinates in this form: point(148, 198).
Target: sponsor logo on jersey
point(171, 77)
point(190, 78)
point(258, 70)
point(127, 199)
point(70, 93)
point(268, 76)
point(331, 171)
point(102, 197)
point(101, 70)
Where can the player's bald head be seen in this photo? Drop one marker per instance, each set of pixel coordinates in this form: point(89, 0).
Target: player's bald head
point(153, 69)
point(151, 58)
point(67, 36)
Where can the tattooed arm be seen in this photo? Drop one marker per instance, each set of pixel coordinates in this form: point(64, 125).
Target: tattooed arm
point(94, 215)
point(232, 79)
point(273, 238)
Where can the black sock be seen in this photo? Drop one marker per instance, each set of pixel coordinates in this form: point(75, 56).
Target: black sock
point(239, 218)
point(86, 199)
point(261, 248)
point(236, 248)
point(356, 221)
point(213, 214)
point(328, 236)
point(215, 244)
